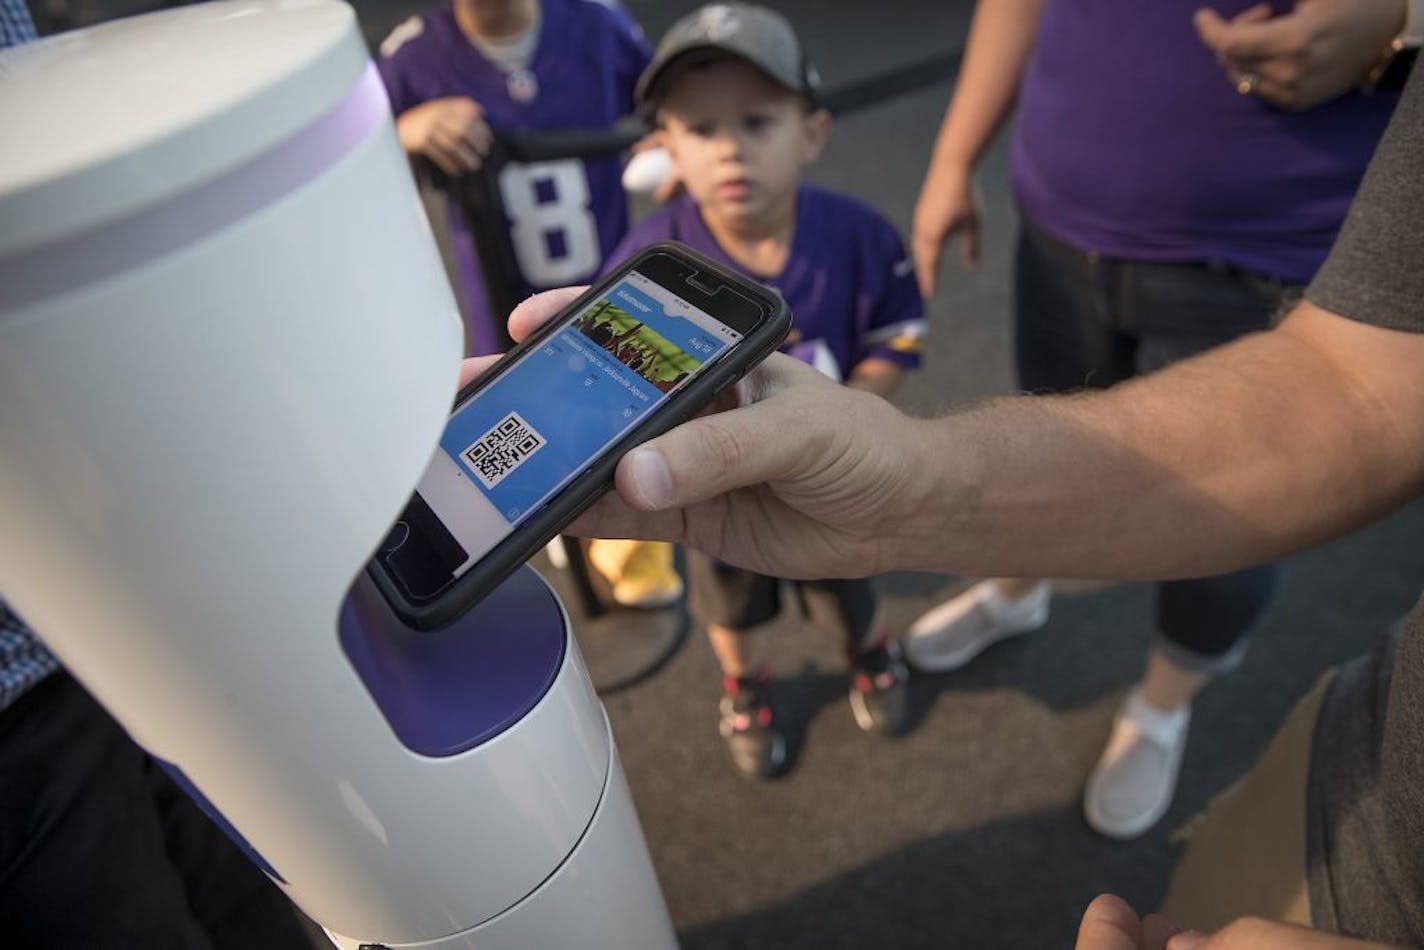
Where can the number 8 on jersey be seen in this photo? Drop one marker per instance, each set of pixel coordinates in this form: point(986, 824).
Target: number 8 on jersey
point(551, 227)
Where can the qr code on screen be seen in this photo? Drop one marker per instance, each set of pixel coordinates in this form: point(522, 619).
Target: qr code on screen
point(503, 449)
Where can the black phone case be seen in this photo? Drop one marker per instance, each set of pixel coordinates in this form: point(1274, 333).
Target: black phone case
point(530, 537)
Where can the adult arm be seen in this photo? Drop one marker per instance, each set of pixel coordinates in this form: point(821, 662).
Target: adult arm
point(1000, 39)
point(1274, 444)
point(1264, 447)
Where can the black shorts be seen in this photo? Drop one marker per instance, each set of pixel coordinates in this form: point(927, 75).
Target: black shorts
point(728, 596)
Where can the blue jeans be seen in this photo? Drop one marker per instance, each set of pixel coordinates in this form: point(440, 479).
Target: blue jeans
point(1083, 321)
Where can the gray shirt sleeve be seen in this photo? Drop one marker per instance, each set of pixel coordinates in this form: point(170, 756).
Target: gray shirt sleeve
point(1375, 272)
point(1365, 803)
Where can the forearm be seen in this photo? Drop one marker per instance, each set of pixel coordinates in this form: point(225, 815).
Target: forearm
point(1000, 40)
point(1202, 468)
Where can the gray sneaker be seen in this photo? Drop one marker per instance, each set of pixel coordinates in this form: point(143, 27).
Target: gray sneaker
point(959, 629)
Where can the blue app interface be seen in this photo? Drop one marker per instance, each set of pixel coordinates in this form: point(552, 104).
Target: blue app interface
point(550, 414)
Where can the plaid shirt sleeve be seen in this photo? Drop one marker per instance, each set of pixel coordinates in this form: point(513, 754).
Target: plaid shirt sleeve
point(23, 659)
point(16, 25)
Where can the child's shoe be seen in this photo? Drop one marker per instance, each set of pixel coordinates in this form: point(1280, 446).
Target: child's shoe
point(756, 746)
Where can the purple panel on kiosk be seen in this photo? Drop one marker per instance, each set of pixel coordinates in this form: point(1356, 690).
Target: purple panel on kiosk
point(446, 691)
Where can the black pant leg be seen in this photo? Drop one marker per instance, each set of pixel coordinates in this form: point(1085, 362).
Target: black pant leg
point(87, 849)
point(845, 607)
point(1064, 333)
point(1208, 617)
point(234, 903)
point(82, 857)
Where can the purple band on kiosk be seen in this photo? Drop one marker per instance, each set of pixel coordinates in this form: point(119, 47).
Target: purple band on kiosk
point(122, 245)
point(447, 691)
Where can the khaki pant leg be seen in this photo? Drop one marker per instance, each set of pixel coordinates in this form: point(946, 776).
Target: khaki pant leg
point(1245, 853)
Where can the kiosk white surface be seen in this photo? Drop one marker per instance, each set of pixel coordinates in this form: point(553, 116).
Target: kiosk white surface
point(227, 348)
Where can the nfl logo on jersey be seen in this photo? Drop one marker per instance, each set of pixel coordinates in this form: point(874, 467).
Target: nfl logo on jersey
point(522, 86)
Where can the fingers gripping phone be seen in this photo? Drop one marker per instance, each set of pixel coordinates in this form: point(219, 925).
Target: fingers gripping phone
point(534, 441)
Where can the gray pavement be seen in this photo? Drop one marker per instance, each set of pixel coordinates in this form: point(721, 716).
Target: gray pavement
point(966, 832)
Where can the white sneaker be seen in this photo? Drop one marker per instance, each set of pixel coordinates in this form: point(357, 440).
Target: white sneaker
point(959, 629)
point(1133, 783)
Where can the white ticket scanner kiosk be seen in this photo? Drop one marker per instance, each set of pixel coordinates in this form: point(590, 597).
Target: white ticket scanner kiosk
point(227, 348)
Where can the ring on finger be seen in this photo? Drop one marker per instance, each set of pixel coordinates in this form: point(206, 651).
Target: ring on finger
point(1248, 84)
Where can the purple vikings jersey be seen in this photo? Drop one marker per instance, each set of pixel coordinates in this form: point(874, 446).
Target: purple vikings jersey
point(848, 281)
point(564, 216)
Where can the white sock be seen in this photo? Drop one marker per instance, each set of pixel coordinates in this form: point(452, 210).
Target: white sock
point(1162, 726)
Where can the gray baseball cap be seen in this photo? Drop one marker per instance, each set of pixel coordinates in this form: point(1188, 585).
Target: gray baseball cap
point(761, 37)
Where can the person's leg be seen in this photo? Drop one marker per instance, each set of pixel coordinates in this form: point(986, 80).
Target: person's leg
point(1245, 853)
point(1202, 627)
point(1065, 339)
point(1178, 311)
point(232, 900)
point(730, 603)
point(879, 688)
point(732, 649)
point(85, 857)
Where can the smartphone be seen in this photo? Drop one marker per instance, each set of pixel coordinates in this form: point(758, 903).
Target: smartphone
point(534, 441)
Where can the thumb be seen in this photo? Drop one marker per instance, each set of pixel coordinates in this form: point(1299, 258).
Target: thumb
point(769, 438)
point(1109, 924)
point(715, 454)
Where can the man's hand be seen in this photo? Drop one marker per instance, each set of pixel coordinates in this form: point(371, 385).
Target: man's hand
point(1110, 924)
point(799, 477)
point(1316, 52)
point(451, 132)
point(945, 210)
point(796, 476)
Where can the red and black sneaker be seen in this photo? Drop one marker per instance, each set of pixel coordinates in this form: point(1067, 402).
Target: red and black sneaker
point(757, 747)
point(880, 688)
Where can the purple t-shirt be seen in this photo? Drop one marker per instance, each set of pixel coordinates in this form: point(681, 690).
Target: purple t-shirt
point(564, 216)
point(848, 281)
point(1131, 142)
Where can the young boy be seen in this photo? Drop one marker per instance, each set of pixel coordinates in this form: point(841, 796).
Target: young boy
point(470, 65)
point(735, 99)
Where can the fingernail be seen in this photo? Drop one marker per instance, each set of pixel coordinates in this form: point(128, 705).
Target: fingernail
point(651, 478)
point(1187, 940)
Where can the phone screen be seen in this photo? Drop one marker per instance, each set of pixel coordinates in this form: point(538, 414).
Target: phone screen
point(515, 443)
